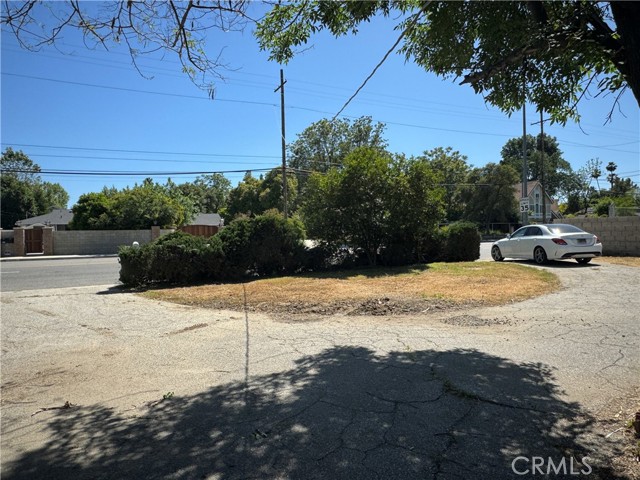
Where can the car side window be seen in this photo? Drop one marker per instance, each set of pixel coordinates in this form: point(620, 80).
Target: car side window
point(533, 231)
point(519, 233)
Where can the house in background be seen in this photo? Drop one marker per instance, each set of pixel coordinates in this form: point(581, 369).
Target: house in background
point(58, 218)
point(534, 195)
point(204, 225)
point(49, 235)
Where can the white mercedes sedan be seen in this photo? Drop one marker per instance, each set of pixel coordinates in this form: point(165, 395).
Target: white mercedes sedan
point(548, 242)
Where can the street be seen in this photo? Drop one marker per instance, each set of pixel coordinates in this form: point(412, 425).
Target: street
point(33, 274)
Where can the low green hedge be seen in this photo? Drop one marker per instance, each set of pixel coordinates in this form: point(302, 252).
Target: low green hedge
point(268, 244)
point(461, 242)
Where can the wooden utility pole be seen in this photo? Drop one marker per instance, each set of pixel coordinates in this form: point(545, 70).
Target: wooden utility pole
point(525, 173)
point(284, 145)
point(544, 192)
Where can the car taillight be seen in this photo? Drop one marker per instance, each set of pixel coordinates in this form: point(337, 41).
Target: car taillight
point(597, 239)
point(558, 241)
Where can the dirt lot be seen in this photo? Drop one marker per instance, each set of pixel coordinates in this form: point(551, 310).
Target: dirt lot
point(374, 291)
point(160, 390)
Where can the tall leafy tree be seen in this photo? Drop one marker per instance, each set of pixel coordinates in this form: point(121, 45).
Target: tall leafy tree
point(348, 205)
point(136, 208)
point(417, 203)
point(558, 48)
point(325, 144)
point(271, 195)
point(23, 192)
point(490, 196)
point(244, 198)
point(453, 169)
point(253, 196)
point(544, 161)
point(374, 201)
point(208, 192)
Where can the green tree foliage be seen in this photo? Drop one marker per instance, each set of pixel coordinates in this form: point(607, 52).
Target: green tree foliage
point(244, 199)
point(137, 208)
point(253, 196)
point(325, 144)
point(557, 171)
point(556, 46)
point(271, 196)
point(416, 204)
point(209, 193)
point(567, 44)
point(373, 201)
point(24, 194)
point(490, 198)
point(452, 167)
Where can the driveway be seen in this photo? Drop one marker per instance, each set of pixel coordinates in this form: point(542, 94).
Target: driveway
point(166, 391)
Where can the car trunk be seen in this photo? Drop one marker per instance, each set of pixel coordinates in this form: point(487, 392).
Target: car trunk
point(579, 239)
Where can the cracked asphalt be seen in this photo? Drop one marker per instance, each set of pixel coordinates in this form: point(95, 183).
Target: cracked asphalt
point(159, 390)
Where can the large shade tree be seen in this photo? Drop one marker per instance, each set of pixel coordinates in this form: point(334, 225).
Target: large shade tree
point(490, 195)
point(545, 162)
point(560, 47)
point(326, 143)
point(556, 48)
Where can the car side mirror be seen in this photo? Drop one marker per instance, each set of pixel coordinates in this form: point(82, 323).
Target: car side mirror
point(508, 235)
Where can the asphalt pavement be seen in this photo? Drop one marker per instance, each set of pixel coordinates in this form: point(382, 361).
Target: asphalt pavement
point(102, 384)
point(32, 273)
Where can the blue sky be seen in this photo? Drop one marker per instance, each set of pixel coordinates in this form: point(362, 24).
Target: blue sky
point(91, 110)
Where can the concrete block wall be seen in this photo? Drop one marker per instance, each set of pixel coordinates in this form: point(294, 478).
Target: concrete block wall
point(619, 235)
point(96, 242)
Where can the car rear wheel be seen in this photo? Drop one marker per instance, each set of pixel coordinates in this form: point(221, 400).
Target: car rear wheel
point(540, 256)
point(496, 254)
point(583, 261)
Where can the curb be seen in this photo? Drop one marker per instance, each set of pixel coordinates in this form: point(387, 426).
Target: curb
point(54, 257)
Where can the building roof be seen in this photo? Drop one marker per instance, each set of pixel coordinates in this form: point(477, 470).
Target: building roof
point(531, 185)
point(57, 216)
point(63, 216)
point(207, 219)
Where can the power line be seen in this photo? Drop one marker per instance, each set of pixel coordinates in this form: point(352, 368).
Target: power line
point(7, 144)
point(425, 127)
point(129, 159)
point(128, 173)
point(135, 90)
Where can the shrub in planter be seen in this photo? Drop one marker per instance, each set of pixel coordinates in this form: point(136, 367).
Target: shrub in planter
point(462, 242)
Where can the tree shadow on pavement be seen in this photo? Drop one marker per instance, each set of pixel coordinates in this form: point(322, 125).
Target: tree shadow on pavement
point(346, 412)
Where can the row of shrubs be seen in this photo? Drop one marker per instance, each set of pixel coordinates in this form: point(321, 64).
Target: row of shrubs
point(270, 245)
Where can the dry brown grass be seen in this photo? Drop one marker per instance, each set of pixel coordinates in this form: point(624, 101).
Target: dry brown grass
point(455, 283)
point(626, 261)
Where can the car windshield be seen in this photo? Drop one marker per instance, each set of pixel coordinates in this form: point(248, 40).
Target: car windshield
point(559, 229)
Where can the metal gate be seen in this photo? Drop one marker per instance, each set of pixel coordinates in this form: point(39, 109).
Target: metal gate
point(33, 240)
